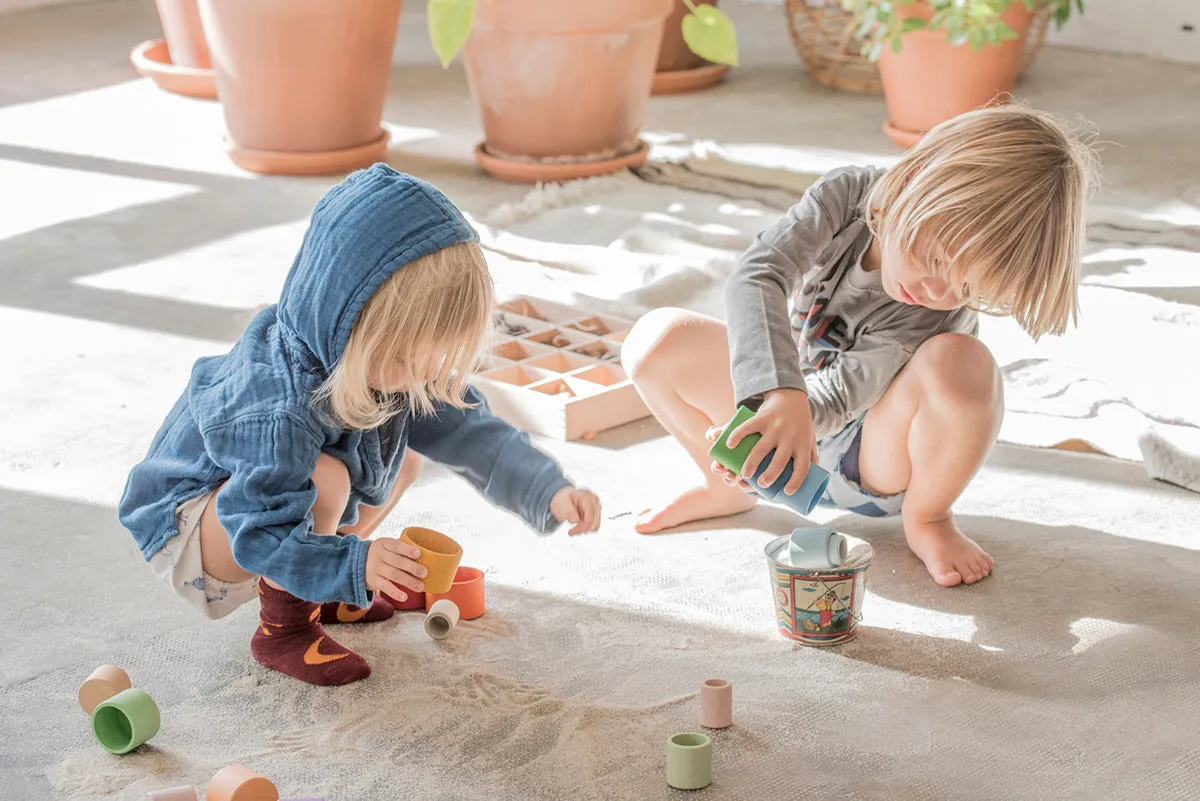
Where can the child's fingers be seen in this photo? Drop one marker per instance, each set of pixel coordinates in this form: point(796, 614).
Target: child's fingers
point(754, 425)
point(573, 509)
point(799, 471)
point(759, 452)
point(407, 565)
point(400, 547)
point(400, 578)
point(585, 515)
point(593, 515)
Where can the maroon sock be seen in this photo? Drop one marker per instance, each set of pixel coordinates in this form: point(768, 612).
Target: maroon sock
point(338, 612)
point(290, 639)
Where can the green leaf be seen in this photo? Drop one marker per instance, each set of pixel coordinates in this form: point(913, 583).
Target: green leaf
point(449, 26)
point(710, 34)
point(912, 24)
point(976, 38)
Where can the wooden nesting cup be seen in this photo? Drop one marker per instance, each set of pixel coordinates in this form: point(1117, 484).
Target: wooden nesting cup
point(689, 761)
point(239, 783)
point(125, 721)
point(441, 620)
point(105, 682)
point(716, 704)
point(173, 794)
point(439, 554)
point(467, 593)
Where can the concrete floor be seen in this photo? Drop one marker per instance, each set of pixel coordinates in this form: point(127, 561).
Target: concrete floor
point(116, 196)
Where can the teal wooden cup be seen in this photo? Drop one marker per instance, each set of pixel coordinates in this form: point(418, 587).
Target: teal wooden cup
point(125, 721)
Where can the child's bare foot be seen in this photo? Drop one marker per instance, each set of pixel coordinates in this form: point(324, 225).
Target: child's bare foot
point(950, 556)
point(695, 504)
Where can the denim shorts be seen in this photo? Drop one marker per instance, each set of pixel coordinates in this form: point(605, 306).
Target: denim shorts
point(838, 454)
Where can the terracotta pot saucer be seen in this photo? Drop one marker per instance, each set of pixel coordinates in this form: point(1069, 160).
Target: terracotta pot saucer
point(672, 82)
point(152, 60)
point(321, 162)
point(532, 172)
point(900, 136)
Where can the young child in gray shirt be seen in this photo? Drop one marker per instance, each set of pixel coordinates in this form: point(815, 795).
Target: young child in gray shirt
point(851, 329)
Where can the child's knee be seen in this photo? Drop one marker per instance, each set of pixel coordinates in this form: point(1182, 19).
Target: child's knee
point(959, 367)
point(657, 339)
point(332, 480)
point(410, 468)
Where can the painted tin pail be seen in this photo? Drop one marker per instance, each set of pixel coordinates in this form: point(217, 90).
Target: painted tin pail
point(819, 607)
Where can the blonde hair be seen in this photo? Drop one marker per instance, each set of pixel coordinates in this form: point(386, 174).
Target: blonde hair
point(433, 316)
point(994, 200)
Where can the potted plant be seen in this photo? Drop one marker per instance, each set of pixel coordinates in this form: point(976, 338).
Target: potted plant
point(562, 85)
point(179, 62)
point(302, 82)
point(679, 68)
point(941, 58)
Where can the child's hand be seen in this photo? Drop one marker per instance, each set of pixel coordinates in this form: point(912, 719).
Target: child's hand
point(392, 568)
point(580, 507)
point(784, 420)
point(730, 478)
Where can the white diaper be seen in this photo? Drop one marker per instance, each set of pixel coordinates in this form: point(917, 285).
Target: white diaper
point(178, 563)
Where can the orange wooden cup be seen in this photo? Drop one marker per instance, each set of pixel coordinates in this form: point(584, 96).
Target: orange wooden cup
point(105, 682)
point(466, 592)
point(439, 554)
point(239, 783)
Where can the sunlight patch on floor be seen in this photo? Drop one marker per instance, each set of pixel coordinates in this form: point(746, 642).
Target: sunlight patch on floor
point(53, 195)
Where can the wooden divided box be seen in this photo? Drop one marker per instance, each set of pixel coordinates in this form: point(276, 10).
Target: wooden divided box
point(556, 370)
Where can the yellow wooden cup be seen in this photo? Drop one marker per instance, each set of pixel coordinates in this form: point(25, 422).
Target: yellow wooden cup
point(439, 554)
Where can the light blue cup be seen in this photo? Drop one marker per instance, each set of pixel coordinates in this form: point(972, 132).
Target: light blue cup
point(817, 548)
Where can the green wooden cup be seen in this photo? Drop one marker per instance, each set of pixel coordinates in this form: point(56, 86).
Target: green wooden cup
point(689, 761)
point(125, 721)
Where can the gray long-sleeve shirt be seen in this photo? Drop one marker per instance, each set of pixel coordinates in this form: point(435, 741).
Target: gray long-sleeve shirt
point(845, 338)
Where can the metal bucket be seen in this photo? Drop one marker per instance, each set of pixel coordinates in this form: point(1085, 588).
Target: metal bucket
point(819, 607)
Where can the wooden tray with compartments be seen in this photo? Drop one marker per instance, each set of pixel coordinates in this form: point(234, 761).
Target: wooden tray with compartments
point(556, 370)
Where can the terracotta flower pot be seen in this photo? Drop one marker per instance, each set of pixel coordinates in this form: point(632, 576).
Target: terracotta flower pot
point(930, 80)
point(180, 61)
point(562, 86)
point(184, 33)
point(679, 69)
point(302, 82)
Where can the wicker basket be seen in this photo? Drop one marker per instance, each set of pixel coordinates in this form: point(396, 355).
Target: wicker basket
point(824, 37)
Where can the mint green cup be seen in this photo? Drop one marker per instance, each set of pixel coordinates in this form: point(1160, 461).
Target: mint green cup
point(125, 721)
point(689, 761)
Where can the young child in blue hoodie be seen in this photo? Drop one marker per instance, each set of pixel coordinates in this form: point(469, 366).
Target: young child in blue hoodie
point(314, 424)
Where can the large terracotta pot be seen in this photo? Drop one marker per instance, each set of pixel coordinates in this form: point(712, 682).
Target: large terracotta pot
point(679, 69)
point(562, 86)
point(302, 82)
point(930, 80)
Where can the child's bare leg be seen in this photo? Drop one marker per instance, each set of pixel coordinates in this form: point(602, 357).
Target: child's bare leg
point(333, 491)
point(679, 362)
point(289, 637)
point(928, 437)
point(369, 517)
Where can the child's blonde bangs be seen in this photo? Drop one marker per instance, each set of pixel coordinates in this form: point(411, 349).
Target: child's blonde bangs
point(434, 317)
point(993, 202)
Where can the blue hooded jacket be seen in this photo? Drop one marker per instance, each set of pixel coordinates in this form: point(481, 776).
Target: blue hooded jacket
point(246, 419)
